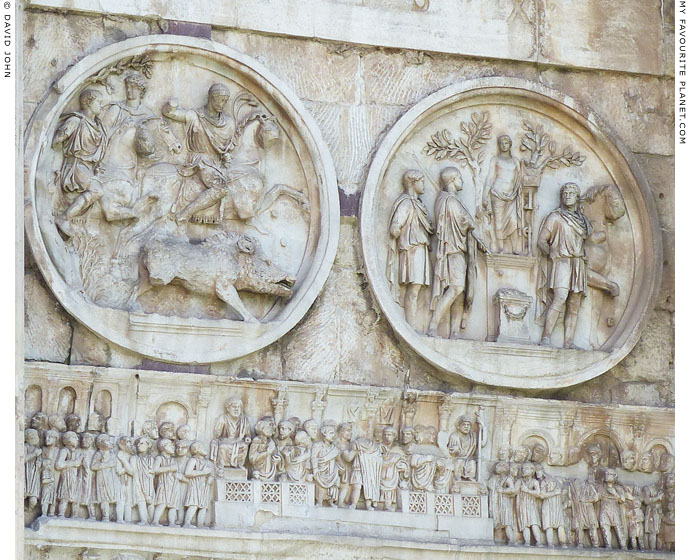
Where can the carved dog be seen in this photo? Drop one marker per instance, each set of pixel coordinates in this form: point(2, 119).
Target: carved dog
point(220, 266)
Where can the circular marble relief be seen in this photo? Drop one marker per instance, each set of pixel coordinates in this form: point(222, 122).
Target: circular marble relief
point(508, 237)
point(180, 201)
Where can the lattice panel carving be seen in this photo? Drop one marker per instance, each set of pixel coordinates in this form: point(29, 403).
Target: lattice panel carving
point(238, 492)
point(270, 493)
point(417, 502)
point(471, 506)
point(443, 504)
point(297, 494)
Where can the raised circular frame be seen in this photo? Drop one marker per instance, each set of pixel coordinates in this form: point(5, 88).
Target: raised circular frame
point(476, 363)
point(113, 324)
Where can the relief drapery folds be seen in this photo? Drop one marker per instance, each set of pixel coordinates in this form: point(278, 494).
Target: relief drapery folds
point(500, 227)
point(198, 451)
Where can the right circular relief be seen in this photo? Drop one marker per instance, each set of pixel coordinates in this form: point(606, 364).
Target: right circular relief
point(509, 237)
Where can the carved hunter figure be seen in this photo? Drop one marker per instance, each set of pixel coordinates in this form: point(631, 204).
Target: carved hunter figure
point(455, 262)
point(563, 281)
point(409, 263)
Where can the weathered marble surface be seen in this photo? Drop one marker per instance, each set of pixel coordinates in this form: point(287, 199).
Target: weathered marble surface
point(355, 92)
point(582, 35)
point(510, 147)
point(453, 501)
point(125, 202)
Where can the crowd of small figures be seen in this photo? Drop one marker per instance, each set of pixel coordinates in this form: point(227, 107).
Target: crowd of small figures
point(95, 475)
point(530, 506)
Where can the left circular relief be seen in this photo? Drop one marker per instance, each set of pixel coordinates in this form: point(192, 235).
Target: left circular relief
point(179, 200)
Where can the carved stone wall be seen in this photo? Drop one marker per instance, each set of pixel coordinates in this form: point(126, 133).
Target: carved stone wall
point(333, 350)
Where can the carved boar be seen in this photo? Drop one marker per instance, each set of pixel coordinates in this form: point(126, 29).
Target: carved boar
point(220, 266)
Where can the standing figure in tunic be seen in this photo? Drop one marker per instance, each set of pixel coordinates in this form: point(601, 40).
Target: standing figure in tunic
point(552, 511)
point(611, 497)
point(82, 139)
point(652, 496)
point(233, 436)
point(366, 472)
point(144, 493)
point(104, 463)
point(563, 276)
point(296, 459)
point(264, 457)
point(345, 457)
point(181, 458)
point(503, 502)
point(167, 487)
point(636, 525)
point(527, 505)
point(668, 528)
point(48, 474)
point(411, 229)
point(394, 470)
point(67, 465)
point(585, 497)
point(455, 270)
point(198, 497)
point(503, 198)
point(32, 466)
point(125, 476)
point(209, 134)
point(87, 490)
point(324, 467)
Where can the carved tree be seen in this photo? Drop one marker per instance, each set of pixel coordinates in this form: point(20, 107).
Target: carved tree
point(468, 148)
point(543, 150)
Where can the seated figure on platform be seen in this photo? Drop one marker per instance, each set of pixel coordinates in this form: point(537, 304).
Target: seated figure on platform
point(462, 446)
point(232, 434)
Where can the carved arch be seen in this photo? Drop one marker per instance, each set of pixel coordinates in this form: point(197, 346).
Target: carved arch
point(33, 400)
point(67, 400)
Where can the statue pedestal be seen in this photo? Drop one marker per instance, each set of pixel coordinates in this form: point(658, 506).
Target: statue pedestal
point(507, 274)
point(513, 320)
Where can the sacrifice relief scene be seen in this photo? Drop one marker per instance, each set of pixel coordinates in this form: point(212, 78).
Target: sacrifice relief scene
point(175, 197)
point(497, 224)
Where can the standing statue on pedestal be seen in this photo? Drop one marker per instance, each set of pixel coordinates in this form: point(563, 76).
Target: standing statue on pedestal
point(563, 274)
point(455, 270)
point(232, 434)
point(411, 229)
point(503, 198)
